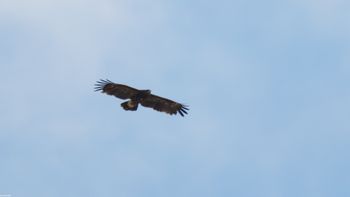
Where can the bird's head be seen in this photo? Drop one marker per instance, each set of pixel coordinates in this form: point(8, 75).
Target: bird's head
point(145, 92)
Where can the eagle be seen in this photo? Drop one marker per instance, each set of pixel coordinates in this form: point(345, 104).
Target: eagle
point(143, 97)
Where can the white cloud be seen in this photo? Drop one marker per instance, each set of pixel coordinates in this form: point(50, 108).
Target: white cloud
point(328, 15)
point(63, 37)
point(55, 50)
point(46, 10)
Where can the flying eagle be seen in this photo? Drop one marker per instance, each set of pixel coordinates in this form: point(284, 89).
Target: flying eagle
point(143, 97)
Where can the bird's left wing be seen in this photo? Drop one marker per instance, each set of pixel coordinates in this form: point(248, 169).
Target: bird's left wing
point(164, 105)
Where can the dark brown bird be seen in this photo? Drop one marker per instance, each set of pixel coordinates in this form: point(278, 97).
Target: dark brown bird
point(143, 97)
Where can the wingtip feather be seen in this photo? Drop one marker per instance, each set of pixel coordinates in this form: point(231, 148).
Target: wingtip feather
point(181, 113)
point(100, 84)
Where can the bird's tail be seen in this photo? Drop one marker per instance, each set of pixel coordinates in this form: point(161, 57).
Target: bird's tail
point(129, 105)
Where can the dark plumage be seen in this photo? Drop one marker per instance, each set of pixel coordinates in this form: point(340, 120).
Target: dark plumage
point(143, 97)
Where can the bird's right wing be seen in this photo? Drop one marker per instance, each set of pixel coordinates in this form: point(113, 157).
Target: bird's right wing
point(118, 90)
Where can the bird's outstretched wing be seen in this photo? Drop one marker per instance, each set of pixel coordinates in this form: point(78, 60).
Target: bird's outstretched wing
point(164, 105)
point(118, 90)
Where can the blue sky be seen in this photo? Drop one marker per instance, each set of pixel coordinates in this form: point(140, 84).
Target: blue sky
point(267, 83)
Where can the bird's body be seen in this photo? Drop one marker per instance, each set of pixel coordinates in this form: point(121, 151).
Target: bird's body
point(143, 97)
